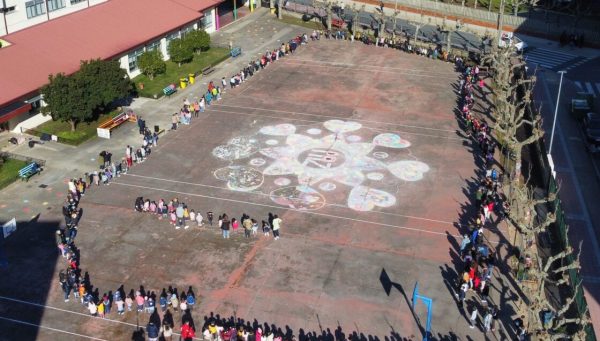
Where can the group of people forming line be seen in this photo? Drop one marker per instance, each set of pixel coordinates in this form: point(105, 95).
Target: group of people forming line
point(214, 92)
point(73, 280)
point(181, 216)
point(478, 257)
point(400, 42)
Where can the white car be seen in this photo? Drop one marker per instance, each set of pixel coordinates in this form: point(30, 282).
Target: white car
point(509, 39)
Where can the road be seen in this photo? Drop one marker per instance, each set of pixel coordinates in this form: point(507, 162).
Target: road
point(428, 32)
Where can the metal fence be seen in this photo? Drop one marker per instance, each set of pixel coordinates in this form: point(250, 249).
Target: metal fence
point(19, 157)
point(560, 232)
point(550, 24)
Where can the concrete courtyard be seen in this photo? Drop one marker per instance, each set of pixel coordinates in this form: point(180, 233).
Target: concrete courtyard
point(355, 147)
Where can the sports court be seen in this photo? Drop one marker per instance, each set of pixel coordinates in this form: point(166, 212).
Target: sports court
point(355, 147)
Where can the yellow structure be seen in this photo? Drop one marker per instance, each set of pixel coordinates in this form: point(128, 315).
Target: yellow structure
point(191, 78)
point(183, 83)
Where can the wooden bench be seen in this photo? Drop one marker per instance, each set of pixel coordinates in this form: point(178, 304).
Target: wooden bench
point(28, 171)
point(169, 90)
point(208, 70)
point(105, 128)
point(236, 51)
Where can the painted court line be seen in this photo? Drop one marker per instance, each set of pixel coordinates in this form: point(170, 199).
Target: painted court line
point(49, 328)
point(335, 117)
point(367, 66)
point(268, 195)
point(291, 62)
point(320, 122)
point(74, 313)
point(290, 209)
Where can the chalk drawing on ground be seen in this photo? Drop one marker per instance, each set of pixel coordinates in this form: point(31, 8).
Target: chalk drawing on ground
point(306, 166)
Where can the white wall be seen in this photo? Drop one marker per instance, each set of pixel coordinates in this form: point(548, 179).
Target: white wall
point(31, 122)
point(17, 19)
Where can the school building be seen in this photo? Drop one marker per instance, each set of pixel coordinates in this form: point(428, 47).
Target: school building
point(52, 36)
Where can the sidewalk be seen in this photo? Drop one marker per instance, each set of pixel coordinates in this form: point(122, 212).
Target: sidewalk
point(44, 193)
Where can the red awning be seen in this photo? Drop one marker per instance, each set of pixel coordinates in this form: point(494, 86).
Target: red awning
point(15, 110)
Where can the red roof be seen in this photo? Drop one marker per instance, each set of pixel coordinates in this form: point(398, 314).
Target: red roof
point(198, 5)
point(102, 31)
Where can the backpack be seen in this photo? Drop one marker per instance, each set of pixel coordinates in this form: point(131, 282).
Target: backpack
point(191, 299)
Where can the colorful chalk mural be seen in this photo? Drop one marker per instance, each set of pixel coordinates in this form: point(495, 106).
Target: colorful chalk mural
point(300, 169)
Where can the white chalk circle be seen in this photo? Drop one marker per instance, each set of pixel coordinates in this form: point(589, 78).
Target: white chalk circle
point(327, 186)
point(339, 126)
point(408, 170)
point(257, 162)
point(272, 142)
point(381, 155)
point(279, 130)
point(376, 176)
point(240, 178)
point(282, 181)
point(314, 131)
point(353, 138)
point(391, 141)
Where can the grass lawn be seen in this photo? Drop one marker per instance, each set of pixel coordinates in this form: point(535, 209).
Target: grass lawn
point(153, 87)
point(9, 171)
point(314, 24)
point(83, 132)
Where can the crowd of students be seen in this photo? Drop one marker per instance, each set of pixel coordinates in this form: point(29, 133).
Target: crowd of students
point(71, 279)
point(181, 216)
point(477, 256)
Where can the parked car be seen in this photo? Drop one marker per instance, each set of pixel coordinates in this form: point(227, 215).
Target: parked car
point(509, 39)
point(591, 128)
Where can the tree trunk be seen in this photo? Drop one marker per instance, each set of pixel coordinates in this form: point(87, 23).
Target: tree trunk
point(463, 3)
point(490, 5)
point(475, 4)
point(280, 9)
point(329, 13)
point(516, 9)
point(449, 40)
point(73, 124)
point(417, 32)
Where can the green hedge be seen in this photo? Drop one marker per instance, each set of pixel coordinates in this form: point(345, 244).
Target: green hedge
point(212, 57)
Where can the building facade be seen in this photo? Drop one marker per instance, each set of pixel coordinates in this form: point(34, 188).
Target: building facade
point(21, 14)
point(55, 42)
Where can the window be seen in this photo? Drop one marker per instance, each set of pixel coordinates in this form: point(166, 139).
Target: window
point(186, 31)
point(153, 46)
point(35, 8)
point(207, 20)
point(171, 37)
point(73, 2)
point(133, 57)
point(53, 5)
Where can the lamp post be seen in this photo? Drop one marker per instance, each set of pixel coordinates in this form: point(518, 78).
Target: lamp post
point(234, 10)
point(562, 72)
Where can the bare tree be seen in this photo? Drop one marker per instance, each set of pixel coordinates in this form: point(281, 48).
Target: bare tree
point(280, 9)
point(511, 108)
point(555, 271)
point(516, 4)
point(327, 7)
point(355, 17)
point(524, 211)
